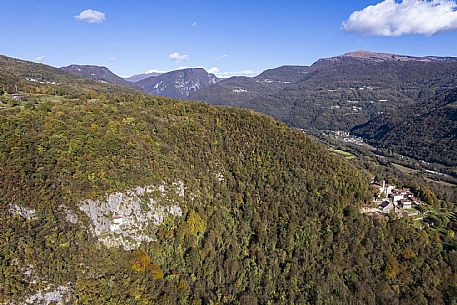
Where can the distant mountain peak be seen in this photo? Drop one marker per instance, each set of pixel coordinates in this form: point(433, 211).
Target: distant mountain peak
point(190, 70)
point(376, 56)
point(283, 74)
point(138, 77)
point(380, 56)
point(87, 67)
point(178, 84)
point(367, 54)
point(99, 73)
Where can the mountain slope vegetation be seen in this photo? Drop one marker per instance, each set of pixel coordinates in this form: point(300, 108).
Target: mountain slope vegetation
point(240, 90)
point(427, 131)
point(27, 77)
point(178, 84)
point(341, 92)
point(138, 77)
point(99, 73)
point(267, 215)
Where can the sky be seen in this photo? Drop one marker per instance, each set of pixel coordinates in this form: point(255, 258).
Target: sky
point(226, 37)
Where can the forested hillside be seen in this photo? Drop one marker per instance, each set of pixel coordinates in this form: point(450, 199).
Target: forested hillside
point(177, 84)
point(102, 74)
point(122, 198)
point(426, 131)
point(27, 77)
point(340, 92)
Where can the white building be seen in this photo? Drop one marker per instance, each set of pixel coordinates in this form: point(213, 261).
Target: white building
point(387, 189)
point(405, 204)
point(117, 222)
point(397, 197)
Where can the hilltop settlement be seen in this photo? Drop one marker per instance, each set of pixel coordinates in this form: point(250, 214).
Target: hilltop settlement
point(390, 200)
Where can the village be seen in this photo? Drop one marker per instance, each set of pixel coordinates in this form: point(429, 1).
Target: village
point(390, 200)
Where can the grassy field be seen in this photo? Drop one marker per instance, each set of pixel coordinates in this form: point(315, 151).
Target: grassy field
point(404, 169)
point(343, 153)
point(441, 182)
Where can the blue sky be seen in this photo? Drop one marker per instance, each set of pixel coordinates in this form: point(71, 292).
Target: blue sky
point(232, 36)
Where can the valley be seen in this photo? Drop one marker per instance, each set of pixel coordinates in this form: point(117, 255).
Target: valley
point(442, 179)
point(369, 94)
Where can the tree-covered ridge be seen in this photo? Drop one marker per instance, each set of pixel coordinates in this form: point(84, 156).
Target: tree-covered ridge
point(282, 227)
point(23, 76)
point(269, 216)
point(102, 74)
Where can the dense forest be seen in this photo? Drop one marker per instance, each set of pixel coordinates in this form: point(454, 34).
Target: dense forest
point(426, 131)
point(401, 104)
point(29, 77)
point(268, 216)
point(337, 93)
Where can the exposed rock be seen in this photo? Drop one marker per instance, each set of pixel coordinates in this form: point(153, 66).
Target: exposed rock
point(22, 211)
point(180, 189)
point(178, 84)
point(70, 215)
point(220, 177)
point(124, 219)
point(60, 295)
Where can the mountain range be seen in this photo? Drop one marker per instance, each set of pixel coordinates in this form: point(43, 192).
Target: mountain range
point(178, 84)
point(336, 93)
point(343, 92)
point(340, 92)
point(99, 73)
point(25, 76)
point(138, 77)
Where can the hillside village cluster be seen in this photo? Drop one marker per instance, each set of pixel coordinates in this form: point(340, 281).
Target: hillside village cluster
point(388, 199)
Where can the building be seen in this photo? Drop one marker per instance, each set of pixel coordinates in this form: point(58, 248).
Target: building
point(396, 197)
point(389, 199)
point(387, 207)
point(405, 204)
point(18, 97)
point(117, 222)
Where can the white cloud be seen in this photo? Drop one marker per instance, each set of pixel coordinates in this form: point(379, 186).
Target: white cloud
point(154, 71)
point(91, 16)
point(222, 57)
point(213, 70)
point(40, 58)
point(190, 67)
point(175, 56)
point(194, 23)
point(111, 59)
point(391, 18)
point(248, 73)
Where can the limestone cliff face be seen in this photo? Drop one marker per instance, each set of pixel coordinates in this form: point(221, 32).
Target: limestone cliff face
point(125, 218)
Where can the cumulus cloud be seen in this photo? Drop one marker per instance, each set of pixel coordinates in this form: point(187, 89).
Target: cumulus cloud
point(391, 18)
point(214, 70)
point(222, 74)
point(176, 56)
point(246, 72)
point(189, 67)
point(154, 71)
point(40, 58)
point(91, 16)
